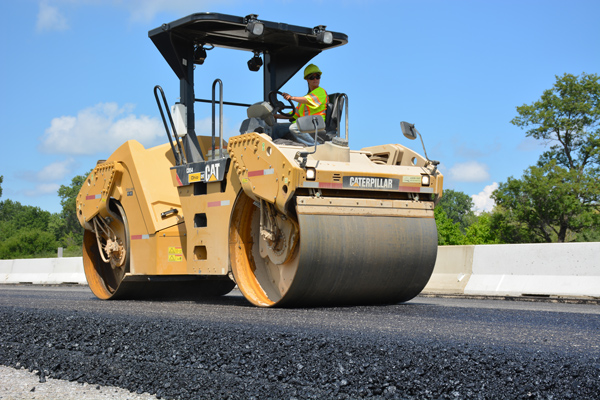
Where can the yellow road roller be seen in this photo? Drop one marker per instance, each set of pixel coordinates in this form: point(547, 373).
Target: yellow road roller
point(292, 225)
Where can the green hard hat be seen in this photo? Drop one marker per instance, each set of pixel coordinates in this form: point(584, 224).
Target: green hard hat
point(311, 69)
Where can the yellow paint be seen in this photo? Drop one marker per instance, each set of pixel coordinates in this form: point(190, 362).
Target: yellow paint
point(197, 177)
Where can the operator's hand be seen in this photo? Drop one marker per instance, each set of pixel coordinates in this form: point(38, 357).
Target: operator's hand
point(286, 96)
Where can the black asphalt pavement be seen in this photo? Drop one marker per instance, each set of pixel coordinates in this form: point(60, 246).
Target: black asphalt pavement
point(428, 348)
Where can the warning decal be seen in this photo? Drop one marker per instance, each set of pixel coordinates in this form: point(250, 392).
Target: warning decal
point(196, 177)
point(370, 182)
point(411, 179)
point(175, 254)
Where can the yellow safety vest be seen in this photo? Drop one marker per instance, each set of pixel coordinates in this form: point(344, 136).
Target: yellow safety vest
point(317, 104)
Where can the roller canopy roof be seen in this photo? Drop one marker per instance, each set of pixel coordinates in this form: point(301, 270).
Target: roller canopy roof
point(287, 48)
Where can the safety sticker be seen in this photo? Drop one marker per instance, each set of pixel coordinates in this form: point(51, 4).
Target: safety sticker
point(138, 237)
point(322, 185)
point(218, 203)
point(411, 179)
point(370, 182)
point(175, 250)
point(175, 254)
point(93, 197)
point(261, 172)
point(196, 177)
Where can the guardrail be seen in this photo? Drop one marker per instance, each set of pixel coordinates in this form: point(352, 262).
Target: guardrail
point(565, 269)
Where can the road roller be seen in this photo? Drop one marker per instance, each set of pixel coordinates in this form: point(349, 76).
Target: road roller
point(292, 225)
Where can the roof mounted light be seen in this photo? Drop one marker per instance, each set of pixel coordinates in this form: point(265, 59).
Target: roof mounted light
point(323, 36)
point(255, 62)
point(253, 26)
point(200, 53)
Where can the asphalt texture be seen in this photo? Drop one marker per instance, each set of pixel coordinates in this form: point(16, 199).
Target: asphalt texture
point(226, 349)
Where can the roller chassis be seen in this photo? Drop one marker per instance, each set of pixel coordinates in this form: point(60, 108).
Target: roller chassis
point(333, 227)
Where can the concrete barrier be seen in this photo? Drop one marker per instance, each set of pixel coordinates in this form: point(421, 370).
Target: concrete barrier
point(43, 271)
point(560, 269)
point(452, 271)
point(565, 269)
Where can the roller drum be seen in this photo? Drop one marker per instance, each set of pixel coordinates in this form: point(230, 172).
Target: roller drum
point(348, 259)
point(332, 259)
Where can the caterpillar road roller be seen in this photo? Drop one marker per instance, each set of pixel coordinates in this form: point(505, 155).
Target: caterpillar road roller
point(290, 224)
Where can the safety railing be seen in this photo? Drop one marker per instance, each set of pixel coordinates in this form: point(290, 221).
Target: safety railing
point(176, 148)
point(220, 83)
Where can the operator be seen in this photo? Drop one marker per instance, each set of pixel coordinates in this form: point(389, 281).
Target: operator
point(314, 103)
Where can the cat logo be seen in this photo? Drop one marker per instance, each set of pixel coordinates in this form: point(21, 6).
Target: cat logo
point(211, 172)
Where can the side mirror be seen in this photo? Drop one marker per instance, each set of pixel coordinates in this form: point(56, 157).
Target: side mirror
point(408, 130)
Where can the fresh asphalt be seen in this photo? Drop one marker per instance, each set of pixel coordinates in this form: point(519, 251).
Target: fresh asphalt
point(224, 348)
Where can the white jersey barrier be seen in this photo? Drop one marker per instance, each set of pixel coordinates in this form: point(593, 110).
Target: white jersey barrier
point(560, 269)
point(43, 271)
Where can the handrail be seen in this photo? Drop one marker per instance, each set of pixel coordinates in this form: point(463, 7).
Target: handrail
point(220, 117)
point(179, 155)
point(227, 103)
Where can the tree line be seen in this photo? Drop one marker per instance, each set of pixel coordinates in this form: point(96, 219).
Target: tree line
point(556, 200)
point(30, 232)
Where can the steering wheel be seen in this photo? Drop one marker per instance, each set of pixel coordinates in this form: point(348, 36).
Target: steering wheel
point(278, 105)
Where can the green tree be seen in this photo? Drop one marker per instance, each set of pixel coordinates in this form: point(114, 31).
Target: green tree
point(552, 202)
point(17, 216)
point(482, 231)
point(448, 231)
point(559, 198)
point(72, 232)
point(567, 116)
point(24, 231)
point(27, 243)
point(458, 207)
point(1, 180)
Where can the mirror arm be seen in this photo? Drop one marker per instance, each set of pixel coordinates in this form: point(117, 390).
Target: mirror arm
point(304, 154)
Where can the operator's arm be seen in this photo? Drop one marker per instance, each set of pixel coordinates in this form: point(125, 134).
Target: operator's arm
point(301, 100)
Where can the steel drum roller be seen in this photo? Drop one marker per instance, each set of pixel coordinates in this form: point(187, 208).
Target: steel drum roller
point(338, 259)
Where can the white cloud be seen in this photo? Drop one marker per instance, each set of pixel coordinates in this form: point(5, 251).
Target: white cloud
point(56, 171)
point(99, 129)
point(471, 171)
point(50, 18)
point(53, 172)
point(43, 189)
point(482, 201)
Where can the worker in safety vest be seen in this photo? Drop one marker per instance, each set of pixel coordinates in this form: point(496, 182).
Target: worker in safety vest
point(314, 103)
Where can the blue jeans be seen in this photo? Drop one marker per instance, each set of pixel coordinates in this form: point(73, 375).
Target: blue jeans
point(290, 131)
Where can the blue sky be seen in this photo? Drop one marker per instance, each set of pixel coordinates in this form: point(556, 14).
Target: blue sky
point(77, 77)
